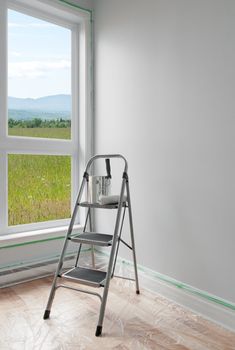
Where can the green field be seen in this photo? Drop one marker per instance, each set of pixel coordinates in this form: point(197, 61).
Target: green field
point(39, 186)
point(58, 133)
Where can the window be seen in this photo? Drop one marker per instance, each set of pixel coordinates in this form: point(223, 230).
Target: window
point(45, 105)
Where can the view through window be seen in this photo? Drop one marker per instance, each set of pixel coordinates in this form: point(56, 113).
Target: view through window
point(39, 106)
point(38, 188)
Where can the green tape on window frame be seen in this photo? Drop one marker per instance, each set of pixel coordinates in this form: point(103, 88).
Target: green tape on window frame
point(77, 6)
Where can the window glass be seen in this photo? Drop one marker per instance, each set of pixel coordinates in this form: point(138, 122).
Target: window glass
point(39, 188)
point(39, 78)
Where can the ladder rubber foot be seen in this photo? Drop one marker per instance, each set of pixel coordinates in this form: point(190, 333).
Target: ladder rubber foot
point(46, 314)
point(98, 331)
point(137, 292)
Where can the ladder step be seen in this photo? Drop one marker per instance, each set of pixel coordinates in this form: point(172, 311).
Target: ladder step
point(90, 277)
point(103, 206)
point(93, 238)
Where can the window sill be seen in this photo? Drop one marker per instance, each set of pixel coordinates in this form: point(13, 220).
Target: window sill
point(31, 237)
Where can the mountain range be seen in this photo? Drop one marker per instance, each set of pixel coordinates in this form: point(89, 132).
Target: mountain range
point(54, 103)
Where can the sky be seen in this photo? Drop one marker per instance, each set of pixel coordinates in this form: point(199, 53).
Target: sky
point(39, 57)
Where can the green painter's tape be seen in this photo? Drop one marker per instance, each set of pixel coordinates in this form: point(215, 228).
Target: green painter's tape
point(178, 284)
point(76, 6)
point(31, 242)
point(186, 287)
point(36, 261)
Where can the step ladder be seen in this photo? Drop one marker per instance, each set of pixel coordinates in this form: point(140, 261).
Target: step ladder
point(93, 277)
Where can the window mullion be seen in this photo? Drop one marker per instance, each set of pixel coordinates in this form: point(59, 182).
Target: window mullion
point(36, 146)
point(3, 70)
point(3, 114)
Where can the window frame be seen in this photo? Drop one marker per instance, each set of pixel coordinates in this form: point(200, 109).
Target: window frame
point(79, 147)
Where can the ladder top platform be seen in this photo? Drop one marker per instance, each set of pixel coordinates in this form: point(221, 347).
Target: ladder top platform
point(102, 206)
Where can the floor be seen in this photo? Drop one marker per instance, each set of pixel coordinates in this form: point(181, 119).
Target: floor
point(145, 321)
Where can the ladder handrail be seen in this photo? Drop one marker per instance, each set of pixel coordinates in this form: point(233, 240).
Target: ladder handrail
point(98, 156)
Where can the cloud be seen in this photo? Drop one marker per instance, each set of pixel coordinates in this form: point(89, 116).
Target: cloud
point(30, 25)
point(36, 69)
point(15, 53)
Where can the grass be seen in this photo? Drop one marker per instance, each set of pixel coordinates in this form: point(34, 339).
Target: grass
point(51, 133)
point(39, 186)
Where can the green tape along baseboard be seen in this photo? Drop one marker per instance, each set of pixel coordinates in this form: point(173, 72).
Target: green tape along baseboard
point(186, 287)
point(146, 270)
point(40, 260)
point(178, 284)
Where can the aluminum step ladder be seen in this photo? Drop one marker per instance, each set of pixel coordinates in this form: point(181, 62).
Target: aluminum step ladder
point(93, 277)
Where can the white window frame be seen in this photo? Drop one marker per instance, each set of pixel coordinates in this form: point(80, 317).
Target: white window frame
point(80, 145)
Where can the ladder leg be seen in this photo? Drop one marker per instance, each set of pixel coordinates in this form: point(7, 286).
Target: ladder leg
point(53, 288)
point(132, 237)
point(92, 247)
point(80, 245)
point(93, 256)
point(50, 299)
point(110, 265)
point(78, 255)
point(119, 239)
point(61, 260)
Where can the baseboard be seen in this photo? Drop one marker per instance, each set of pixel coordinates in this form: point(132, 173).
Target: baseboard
point(208, 306)
point(35, 269)
point(202, 303)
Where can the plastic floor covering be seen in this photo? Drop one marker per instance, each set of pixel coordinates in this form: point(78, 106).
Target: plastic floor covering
point(145, 321)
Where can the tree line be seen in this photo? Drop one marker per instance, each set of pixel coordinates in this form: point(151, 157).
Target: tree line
point(39, 123)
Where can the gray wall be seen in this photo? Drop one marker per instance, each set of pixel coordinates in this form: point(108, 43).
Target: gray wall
point(165, 83)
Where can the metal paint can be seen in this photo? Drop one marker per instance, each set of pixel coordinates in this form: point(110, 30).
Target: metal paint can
point(98, 186)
